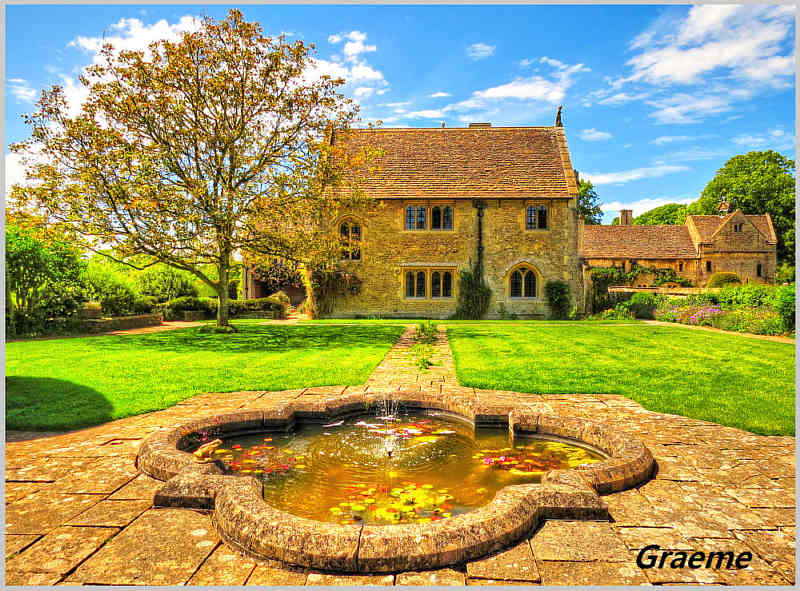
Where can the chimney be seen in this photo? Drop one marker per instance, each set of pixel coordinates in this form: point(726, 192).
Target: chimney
point(480, 125)
point(724, 208)
point(442, 123)
point(625, 217)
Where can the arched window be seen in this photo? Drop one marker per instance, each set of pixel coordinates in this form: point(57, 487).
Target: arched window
point(350, 231)
point(436, 285)
point(410, 217)
point(530, 285)
point(436, 218)
point(516, 284)
point(447, 218)
point(447, 284)
point(530, 218)
point(542, 217)
point(420, 284)
point(420, 218)
point(409, 284)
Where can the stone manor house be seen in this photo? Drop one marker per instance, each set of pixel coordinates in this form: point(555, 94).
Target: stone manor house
point(445, 198)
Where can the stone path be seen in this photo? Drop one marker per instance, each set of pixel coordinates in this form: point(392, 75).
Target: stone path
point(78, 511)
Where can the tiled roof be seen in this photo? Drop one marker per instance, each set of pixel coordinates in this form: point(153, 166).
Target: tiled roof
point(469, 162)
point(645, 242)
point(707, 225)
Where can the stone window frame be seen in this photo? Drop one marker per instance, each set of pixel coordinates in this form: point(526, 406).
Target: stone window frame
point(739, 227)
point(538, 205)
point(347, 245)
point(427, 207)
point(524, 268)
point(428, 286)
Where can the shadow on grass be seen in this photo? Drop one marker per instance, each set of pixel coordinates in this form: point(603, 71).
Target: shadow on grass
point(42, 404)
point(252, 338)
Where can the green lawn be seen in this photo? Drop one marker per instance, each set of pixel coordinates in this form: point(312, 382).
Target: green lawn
point(729, 379)
point(70, 383)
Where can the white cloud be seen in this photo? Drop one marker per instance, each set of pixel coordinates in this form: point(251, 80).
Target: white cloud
point(21, 90)
point(594, 135)
point(478, 51)
point(534, 87)
point(668, 139)
point(526, 62)
point(642, 205)
point(427, 114)
point(439, 94)
point(634, 174)
point(553, 62)
point(354, 46)
point(687, 108)
point(15, 172)
point(776, 139)
point(621, 98)
point(363, 92)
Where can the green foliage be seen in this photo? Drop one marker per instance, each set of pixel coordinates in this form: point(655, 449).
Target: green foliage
point(756, 183)
point(589, 204)
point(326, 286)
point(603, 277)
point(281, 297)
point(43, 281)
point(669, 214)
point(784, 303)
point(723, 278)
point(276, 273)
point(622, 311)
point(426, 332)
point(115, 291)
point(422, 354)
point(785, 273)
point(165, 283)
point(643, 304)
point(504, 313)
point(557, 292)
point(749, 295)
point(755, 321)
point(473, 295)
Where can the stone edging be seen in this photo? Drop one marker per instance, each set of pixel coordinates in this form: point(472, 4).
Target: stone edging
point(245, 520)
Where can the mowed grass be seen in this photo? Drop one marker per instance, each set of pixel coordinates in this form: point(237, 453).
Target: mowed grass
point(728, 379)
point(70, 383)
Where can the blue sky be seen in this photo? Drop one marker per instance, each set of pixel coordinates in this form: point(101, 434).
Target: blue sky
point(656, 99)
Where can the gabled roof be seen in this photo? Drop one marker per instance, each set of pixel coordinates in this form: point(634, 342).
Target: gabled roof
point(645, 242)
point(467, 162)
point(708, 225)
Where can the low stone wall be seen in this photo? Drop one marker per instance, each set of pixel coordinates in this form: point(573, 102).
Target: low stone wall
point(120, 323)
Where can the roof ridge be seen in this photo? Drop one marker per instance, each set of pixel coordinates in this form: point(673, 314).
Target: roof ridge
point(453, 128)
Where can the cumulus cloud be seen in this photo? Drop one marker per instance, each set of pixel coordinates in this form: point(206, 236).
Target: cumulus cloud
point(688, 108)
point(620, 98)
point(594, 135)
point(439, 94)
point(642, 205)
point(21, 90)
point(354, 46)
point(479, 51)
point(15, 172)
point(668, 139)
point(634, 174)
point(776, 139)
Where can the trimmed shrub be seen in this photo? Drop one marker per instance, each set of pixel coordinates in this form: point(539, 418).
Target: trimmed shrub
point(723, 278)
point(144, 304)
point(783, 302)
point(643, 304)
point(165, 283)
point(558, 296)
point(115, 294)
point(473, 296)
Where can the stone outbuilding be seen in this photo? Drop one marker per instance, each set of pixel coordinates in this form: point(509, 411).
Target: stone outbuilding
point(704, 245)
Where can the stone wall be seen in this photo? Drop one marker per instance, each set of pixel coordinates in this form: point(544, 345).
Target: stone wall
point(389, 251)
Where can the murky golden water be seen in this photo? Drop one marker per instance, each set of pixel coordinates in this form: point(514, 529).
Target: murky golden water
point(343, 472)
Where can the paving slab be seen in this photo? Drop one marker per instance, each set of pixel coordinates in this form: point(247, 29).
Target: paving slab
point(105, 475)
point(442, 576)
point(578, 541)
point(224, 567)
point(19, 577)
point(270, 576)
point(61, 550)
point(15, 543)
point(590, 573)
point(350, 580)
point(141, 487)
point(514, 564)
point(162, 547)
point(636, 538)
point(18, 490)
point(772, 546)
point(111, 513)
point(42, 511)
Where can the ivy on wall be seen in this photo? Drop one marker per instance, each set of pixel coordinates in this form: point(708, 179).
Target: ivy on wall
point(323, 287)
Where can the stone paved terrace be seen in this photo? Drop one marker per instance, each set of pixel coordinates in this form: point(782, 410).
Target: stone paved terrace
point(78, 512)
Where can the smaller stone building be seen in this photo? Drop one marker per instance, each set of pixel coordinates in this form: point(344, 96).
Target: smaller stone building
point(704, 245)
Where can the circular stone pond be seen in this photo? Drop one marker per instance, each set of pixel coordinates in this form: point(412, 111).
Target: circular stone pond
point(408, 468)
point(340, 484)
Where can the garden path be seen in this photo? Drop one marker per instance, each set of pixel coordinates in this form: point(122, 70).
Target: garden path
point(79, 512)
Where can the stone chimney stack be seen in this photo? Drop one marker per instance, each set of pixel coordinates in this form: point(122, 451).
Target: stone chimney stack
point(625, 217)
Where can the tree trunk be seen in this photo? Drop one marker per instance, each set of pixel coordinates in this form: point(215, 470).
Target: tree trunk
point(222, 293)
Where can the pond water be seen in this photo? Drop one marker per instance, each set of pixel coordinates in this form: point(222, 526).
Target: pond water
point(409, 468)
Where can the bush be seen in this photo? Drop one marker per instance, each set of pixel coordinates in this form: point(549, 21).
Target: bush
point(473, 296)
point(687, 314)
point(751, 295)
point(783, 302)
point(558, 296)
point(144, 304)
point(706, 298)
point(723, 278)
point(785, 273)
point(165, 283)
point(766, 322)
point(622, 311)
point(114, 291)
point(174, 309)
point(281, 297)
point(643, 304)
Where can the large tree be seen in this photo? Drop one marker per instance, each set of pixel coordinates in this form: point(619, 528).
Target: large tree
point(756, 183)
point(669, 214)
point(589, 204)
point(189, 152)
